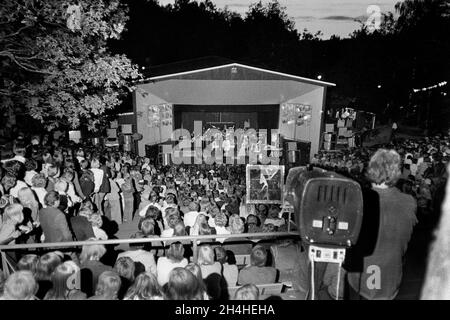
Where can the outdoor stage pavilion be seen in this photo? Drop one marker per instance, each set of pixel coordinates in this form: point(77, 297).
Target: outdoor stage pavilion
point(228, 94)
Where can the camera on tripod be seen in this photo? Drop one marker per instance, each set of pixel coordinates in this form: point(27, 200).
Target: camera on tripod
point(328, 210)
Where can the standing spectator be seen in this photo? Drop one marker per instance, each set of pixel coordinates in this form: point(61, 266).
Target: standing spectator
point(52, 174)
point(12, 217)
point(87, 180)
point(38, 186)
point(53, 221)
point(97, 222)
point(114, 201)
point(386, 248)
point(81, 226)
point(31, 167)
point(98, 183)
point(127, 186)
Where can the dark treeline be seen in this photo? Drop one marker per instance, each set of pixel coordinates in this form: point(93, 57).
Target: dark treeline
point(408, 52)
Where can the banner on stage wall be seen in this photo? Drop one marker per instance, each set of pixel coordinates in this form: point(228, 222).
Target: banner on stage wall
point(265, 184)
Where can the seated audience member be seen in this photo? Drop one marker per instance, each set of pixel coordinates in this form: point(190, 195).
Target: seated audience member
point(247, 292)
point(292, 264)
point(155, 214)
point(28, 262)
point(253, 224)
point(206, 261)
point(220, 222)
point(53, 221)
point(108, 286)
point(20, 285)
point(125, 268)
point(230, 271)
point(145, 287)
point(144, 255)
point(96, 222)
point(12, 218)
point(237, 245)
point(183, 285)
point(257, 272)
point(171, 219)
point(147, 230)
point(197, 272)
point(174, 258)
point(81, 226)
point(66, 283)
point(91, 267)
point(191, 216)
point(44, 269)
point(216, 286)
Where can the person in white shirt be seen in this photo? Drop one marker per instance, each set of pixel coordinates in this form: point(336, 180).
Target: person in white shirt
point(191, 216)
point(173, 259)
point(98, 175)
point(14, 191)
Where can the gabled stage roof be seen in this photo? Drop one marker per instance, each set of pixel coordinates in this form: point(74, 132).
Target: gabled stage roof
point(231, 71)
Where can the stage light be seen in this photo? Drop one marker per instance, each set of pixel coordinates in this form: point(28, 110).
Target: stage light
point(319, 77)
point(379, 86)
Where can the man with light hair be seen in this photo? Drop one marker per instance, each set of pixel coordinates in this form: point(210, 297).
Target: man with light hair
point(375, 263)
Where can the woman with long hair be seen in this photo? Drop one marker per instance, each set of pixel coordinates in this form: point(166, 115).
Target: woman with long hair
point(212, 272)
point(45, 267)
point(174, 258)
point(145, 287)
point(197, 272)
point(66, 283)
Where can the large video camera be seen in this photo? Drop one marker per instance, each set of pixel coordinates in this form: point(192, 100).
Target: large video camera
point(328, 210)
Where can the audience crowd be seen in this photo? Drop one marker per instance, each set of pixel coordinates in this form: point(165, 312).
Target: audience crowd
point(53, 190)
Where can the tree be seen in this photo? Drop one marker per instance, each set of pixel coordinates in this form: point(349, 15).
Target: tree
point(55, 61)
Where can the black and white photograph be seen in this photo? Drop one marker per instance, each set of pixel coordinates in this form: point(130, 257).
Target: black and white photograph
point(252, 153)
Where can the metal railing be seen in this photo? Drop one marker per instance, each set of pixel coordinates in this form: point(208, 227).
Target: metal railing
point(6, 265)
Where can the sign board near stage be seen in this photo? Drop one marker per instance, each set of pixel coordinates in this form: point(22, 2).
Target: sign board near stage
point(265, 184)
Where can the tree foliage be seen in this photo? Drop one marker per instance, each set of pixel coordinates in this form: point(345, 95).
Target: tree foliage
point(55, 63)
